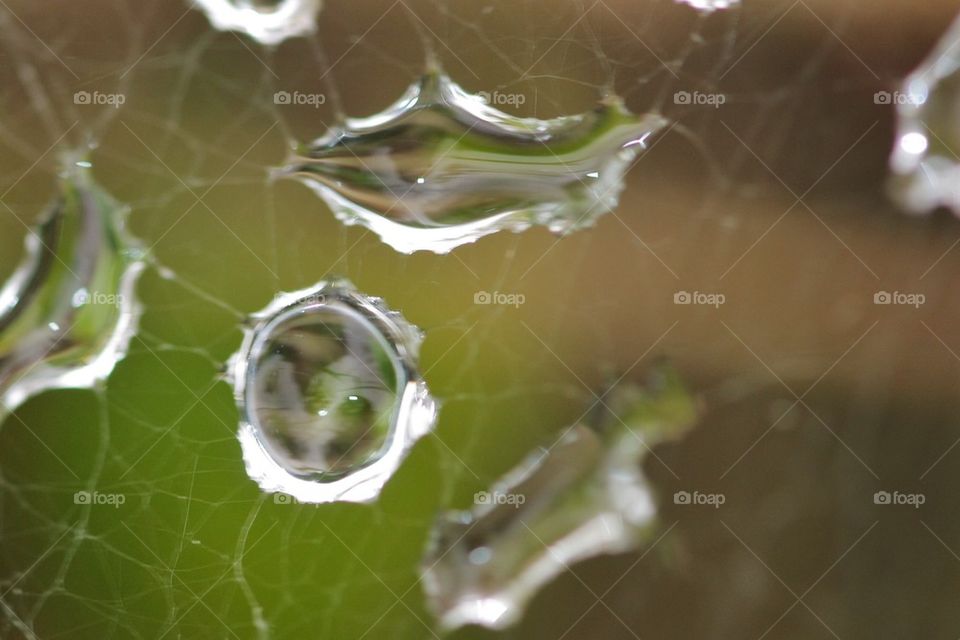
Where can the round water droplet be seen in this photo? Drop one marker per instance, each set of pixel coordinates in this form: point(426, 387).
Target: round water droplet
point(329, 394)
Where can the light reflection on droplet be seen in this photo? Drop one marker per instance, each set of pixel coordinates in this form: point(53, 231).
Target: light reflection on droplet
point(480, 555)
point(914, 143)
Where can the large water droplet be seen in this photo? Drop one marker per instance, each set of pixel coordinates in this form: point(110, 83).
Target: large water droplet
point(269, 22)
point(584, 496)
point(924, 161)
point(441, 168)
point(69, 310)
point(329, 394)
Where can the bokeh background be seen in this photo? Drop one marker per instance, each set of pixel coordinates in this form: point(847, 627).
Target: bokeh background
point(813, 398)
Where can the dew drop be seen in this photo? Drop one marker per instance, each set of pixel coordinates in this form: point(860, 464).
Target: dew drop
point(68, 312)
point(441, 168)
point(269, 22)
point(581, 496)
point(926, 173)
point(329, 394)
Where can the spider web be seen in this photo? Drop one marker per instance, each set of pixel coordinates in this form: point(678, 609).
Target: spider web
point(195, 549)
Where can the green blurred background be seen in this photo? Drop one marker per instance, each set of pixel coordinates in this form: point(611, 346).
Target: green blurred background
point(776, 199)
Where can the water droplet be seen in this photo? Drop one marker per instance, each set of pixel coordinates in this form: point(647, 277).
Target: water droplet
point(269, 22)
point(69, 310)
point(584, 495)
point(926, 173)
point(329, 394)
point(441, 168)
point(709, 6)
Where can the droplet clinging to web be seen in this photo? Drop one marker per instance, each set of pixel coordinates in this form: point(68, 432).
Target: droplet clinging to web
point(329, 394)
point(441, 168)
point(69, 310)
point(926, 172)
point(585, 495)
point(269, 22)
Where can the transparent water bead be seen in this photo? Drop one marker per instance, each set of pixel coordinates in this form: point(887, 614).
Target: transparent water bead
point(584, 495)
point(926, 172)
point(69, 310)
point(441, 168)
point(329, 394)
point(269, 22)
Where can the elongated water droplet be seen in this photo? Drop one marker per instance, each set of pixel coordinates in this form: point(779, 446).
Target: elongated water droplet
point(329, 394)
point(583, 496)
point(69, 310)
point(269, 22)
point(926, 172)
point(441, 168)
